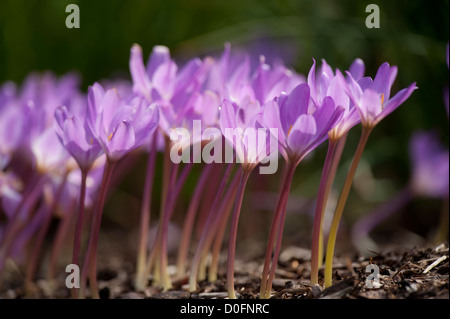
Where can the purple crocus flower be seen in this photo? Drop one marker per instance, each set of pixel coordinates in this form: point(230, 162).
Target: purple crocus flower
point(48, 152)
point(12, 126)
point(157, 81)
point(302, 125)
point(372, 97)
point(10, 192)
point(239, 125)
point(430, 166)
point(119, 126)
point(300, 131)
point(75, 135)
point(328, 83)
point(231, 78)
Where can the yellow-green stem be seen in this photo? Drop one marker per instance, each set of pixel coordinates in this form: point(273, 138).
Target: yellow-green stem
point(341, 204)
point(332, 174)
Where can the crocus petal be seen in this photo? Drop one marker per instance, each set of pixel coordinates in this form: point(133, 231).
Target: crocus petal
point(74, 140)
point(336, 90)
point(365, 83)
point(324, 114)
point(121, 142)
point(60, 117)
point(248, 109)
point(271, 118)
point(295, 105)
point(109, 106)
point(325, 68)
point(164, 79)
point(238, 79)
point(48, 150)
point(210, 108)
point(227, 115)
point(145, 123)
point(72, 129)
point(160, 54)
point(324, 83)
point(95, 96)
point(396, 101)
point(301, 134)
point(141, 82)
point(370, 106)
point(349, 120)
point(357, 69)
point(353, 89)
point(384, 79)
point(312, 80)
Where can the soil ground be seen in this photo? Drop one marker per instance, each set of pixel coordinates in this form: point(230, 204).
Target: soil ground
point(418, 273)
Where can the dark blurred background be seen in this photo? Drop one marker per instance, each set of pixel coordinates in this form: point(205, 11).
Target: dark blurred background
point(413, 35)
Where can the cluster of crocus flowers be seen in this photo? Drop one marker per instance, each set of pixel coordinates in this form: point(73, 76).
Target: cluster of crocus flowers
point(260, 112)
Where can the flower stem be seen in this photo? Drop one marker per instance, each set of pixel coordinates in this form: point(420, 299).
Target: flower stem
point(442, 232)
point(330, 180)
point(341, 204)
point(29, 199)
point(205, 237)
point(220, 228)
point(79, 225)
point(165, 230)
point(276, 226)
point(43, 228)
point(207, 200)
point(60, 237)
point(211, 222)
point(90, 263)
point(141, 261)
point(245, 173)
point(189, 220)
point(320, 208)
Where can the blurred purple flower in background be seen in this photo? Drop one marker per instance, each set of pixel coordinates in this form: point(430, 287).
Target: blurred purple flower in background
point(430, 166)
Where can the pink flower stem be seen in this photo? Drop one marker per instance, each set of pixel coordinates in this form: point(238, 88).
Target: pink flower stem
point(220, 227)
point(245, 174)
point(166, 179)
point(189, 219)
point(341, 205)
point(165, 230)
point(331, 176)
point(61, 235)
point(206, 231)
point(208, 199)
point(211, 222)
point(90, 263)
point(320, 208)
point(42, 231)
point(29, 199)
point(79, 226)
point(278, 219)
point(141, 261)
